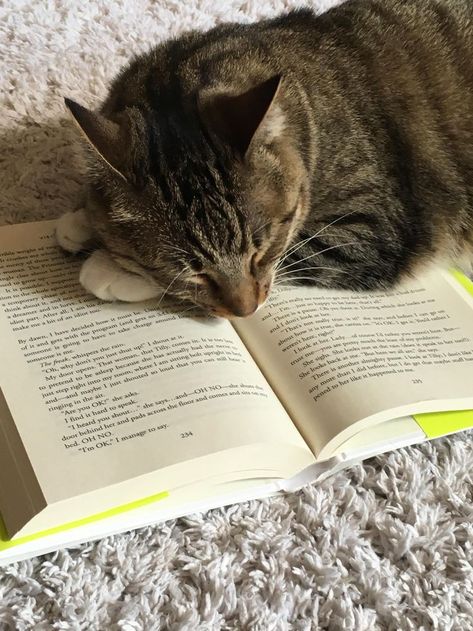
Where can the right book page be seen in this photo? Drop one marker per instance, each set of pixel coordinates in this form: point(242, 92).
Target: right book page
point(342, 361)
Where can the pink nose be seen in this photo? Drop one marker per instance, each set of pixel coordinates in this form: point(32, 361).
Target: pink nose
point(240, 300)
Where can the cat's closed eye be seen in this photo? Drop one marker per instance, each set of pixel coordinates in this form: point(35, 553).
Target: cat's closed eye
point(203, 279)
point(288, 218)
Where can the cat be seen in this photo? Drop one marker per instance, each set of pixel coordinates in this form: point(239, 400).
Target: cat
point(334, 150)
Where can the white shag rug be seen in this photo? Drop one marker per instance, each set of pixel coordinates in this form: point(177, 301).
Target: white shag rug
point(384, 546)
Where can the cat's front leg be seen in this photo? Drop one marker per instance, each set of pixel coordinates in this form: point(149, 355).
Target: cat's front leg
point(73, 231)
point(104, 278)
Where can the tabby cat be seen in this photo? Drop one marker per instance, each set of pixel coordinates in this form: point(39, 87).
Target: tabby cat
point(335, 150)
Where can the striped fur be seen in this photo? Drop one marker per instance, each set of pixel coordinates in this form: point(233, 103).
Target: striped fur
point(364, 156)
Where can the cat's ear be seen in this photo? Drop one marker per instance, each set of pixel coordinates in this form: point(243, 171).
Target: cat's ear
point(111, 140)
point(238, 118)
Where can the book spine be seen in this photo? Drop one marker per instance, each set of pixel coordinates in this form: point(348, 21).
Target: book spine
point(21, 497)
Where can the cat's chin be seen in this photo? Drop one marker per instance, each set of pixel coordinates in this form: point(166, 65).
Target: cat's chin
point(101, 276)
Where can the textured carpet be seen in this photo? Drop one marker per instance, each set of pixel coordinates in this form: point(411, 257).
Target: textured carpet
point(384, 546)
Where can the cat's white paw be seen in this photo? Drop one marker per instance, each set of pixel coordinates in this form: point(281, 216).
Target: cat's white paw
point(73, 231)
point(102, 276)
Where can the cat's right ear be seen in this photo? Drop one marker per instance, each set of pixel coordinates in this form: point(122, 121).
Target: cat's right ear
point(109, 139)
point(239, 118)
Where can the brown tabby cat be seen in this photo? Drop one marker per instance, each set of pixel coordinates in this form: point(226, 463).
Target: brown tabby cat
point(349, 135)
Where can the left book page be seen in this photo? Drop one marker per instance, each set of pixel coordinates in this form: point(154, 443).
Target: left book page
point(104, 392)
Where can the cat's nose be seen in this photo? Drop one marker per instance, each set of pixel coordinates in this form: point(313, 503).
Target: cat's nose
point(239, 299)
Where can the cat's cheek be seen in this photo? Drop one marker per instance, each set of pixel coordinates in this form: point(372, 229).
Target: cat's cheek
point(101, 276)
point(73, 231)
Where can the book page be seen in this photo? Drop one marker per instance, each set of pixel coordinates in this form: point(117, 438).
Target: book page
point(102, 392)
point(336, 358)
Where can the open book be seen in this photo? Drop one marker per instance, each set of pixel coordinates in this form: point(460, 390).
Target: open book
point(117, 415)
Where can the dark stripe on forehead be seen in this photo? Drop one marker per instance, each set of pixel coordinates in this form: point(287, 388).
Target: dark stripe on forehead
point(200, 215)
point(217, 234)
point(197, 245)
point(187, 191)
point(242, 221)
point(156, 163)
point(224, 226)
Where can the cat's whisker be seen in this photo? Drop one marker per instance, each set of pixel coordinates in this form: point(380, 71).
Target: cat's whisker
point(288, 280)
point(300, 244)
point(305, 269)
point(297, 278)
point(263, 226)
point(169, 286)
point(170, 246)
point(290, 252)
point(192, 308)
point(331, 247)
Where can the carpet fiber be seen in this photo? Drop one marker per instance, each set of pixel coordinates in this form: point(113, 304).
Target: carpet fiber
point(384, 546)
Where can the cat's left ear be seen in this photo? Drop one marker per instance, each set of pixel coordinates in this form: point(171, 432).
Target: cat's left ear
point(109, 139)
point(240, 118)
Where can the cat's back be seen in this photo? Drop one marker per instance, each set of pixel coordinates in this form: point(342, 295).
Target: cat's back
point(410, 57)
point(381, 35)
point(383, 77)
point(390, 35)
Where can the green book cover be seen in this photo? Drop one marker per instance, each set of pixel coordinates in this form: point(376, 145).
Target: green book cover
point(438, 424)
point(6, 543)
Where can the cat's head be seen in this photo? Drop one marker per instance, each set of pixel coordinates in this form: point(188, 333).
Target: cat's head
point(203, 195)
